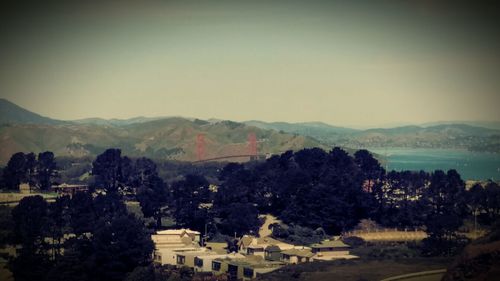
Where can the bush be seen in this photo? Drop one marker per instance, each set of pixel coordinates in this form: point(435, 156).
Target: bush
point(298, 235)
point(386, 252)
point(354, 241)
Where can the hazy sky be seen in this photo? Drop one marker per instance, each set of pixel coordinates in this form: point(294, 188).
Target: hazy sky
point(390, 62)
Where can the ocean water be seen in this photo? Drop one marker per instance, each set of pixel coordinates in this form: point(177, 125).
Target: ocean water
point(470, 165)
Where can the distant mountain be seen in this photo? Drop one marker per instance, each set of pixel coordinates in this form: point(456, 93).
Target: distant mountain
point(117, 122)
point(175, 137)
point(449, 129)
point(449, 135)
point(318, 130)
point(11, 113)
point(167, 138)
point(485, 124)
point(460, 136)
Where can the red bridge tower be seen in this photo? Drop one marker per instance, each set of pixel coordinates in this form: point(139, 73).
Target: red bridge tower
point(200, 147)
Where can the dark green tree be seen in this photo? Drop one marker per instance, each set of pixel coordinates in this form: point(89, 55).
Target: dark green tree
point(46, 170)
point(31, 261)
point(107, 168)
point(119, 246)
point(446, 209)
point(57, 224)
point(82, 214)
point(151, 191)
point(152, 196)
point(31, 169)
point(492, 204)
point(240, 218)
point(369, 167)
point(15, 171)
point(188, 202)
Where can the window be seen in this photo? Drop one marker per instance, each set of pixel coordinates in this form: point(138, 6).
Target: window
point(248, 272)
point(181, 259)
point(215, 265)
point(198, 262)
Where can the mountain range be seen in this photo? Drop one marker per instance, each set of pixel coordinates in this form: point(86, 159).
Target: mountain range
point(158, 138)
point(175, 137)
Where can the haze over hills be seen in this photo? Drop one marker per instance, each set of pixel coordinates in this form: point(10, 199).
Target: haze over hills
point(175, 137)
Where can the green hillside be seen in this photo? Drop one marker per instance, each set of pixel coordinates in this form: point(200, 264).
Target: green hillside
point(171, 138)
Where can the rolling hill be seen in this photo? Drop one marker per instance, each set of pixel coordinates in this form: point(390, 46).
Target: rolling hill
point(175, 137)
point(447, 135)
point(167, 138)
point(318, 130)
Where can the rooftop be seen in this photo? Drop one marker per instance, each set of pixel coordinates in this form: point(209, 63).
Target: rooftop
point(330, 244)
point(177, 231)
point(298, 252)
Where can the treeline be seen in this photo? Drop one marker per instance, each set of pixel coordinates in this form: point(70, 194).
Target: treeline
point(39, 172)
point(78, 238)
point(330, 192)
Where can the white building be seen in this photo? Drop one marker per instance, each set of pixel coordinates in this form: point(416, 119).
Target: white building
point(169, 243)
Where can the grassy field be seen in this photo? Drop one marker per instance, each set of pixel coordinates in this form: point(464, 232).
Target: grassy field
point(389, 235)
point(356, 270)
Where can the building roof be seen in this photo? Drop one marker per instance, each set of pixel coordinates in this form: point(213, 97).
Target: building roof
point(298, 252)
point(245, 240)
point(254, 262)
point(273, 248)
point(177, 231)
point(178, 249)
point(330, 244)
point(219, 247)
point(248, 241)
point(257, 247)
point(199, 253)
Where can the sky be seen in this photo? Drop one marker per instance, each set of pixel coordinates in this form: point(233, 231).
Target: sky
point(362, 64)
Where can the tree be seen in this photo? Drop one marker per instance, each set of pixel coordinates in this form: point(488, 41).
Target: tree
point(29, 217)
point(31, 261)
point(46, 170)
point(476, 202)
point(445, 205)
point(82, 213)
point(142, 273)
point(188, 197)
point(492, 206)
point(108, 169)
point(15, 171)
point(57, 222)
point(326, 191)
point(151, 190)
point(370, 168)
point(398, 199)
point(120, 246)
point(240, 218)
point(152, 196)
point(108, 206)
point(31, 169)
